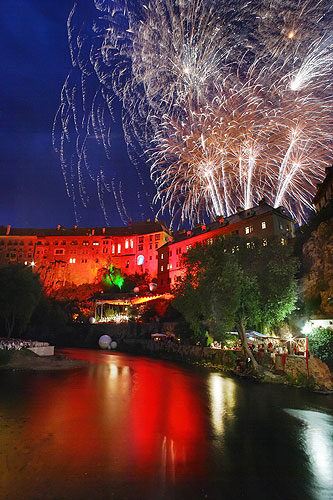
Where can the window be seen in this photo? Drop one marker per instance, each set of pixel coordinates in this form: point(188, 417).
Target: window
point(113, 248)
point(127, 264)
point(57, 243)
point(131, 243)
point(263, 225)
point(248, 229)
point(126, 244)
point(85, 243)
point(162, 256)
point(170, 253)
point(281, 226)
point(73, 242)
point(59, 251)
point(156, 246)
point(150, 257)
point(264, 242)
point(150, 246)
point(168, 266)
point(72, 260)
point(283, 241)
point(157, 237)
point(118, 248)
point(105, 250)
point(150, 237)
point(140, 248)
point(161, 268)
point(63, 243)
point(140, 260)
point(95, 243)
point(105, 242)
point(140, 239)
point(248, 244)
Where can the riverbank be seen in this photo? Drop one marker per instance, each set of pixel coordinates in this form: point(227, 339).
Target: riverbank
point(295, 371)
point(25, 359)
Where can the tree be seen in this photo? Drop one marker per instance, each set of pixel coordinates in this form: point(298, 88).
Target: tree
point(237, 283)
point(20, 292)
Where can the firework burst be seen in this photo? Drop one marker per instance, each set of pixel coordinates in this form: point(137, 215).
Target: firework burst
point(227, 103)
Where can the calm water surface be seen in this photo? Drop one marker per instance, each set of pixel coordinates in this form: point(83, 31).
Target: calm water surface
point(135, 428)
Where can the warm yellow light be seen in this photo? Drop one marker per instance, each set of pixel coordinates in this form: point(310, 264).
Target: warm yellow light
point(291, 35)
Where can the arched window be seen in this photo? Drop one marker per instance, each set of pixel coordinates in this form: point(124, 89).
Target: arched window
point(140, 260)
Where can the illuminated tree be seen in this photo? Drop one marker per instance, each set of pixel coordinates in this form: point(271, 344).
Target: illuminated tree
point(20, 293)
point(237, 283)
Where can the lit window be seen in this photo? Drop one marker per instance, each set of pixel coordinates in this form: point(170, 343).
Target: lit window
point(140, 260)
point(170, 266)
point(126, 244)
point(113, 248)
point(248, 229)
point(283, 241)
point(95, 243)
point(281, 226)
point(131, 243)
point(248, 244)
point(162, 256)
point(72, 261)
point(167, 266)
point(264, 242)
point(161, 268)
point(119, 248)
point(263, 225)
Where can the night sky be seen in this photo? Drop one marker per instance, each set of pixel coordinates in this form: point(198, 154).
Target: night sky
point(35, 63)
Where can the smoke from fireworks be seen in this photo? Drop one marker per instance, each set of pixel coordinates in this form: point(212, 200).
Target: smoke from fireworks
point(227, 103)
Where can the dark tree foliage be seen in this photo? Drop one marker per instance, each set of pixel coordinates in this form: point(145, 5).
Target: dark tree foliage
point(20, 293)
point(234, 283)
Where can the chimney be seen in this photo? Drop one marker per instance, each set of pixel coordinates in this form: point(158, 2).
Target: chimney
point(8, 229)
point(92, 232)
point(103, 230)
point(75, 227)
point(58, 227)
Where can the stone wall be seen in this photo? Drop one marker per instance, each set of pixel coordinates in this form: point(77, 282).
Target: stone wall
point(294, 365)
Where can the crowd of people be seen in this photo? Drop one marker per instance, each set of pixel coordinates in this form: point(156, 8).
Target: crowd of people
point(18, 344)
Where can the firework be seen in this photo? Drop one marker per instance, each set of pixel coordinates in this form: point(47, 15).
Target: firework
point(226, 104)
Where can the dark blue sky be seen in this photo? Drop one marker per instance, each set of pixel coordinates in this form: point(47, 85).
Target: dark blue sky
point(35, 63)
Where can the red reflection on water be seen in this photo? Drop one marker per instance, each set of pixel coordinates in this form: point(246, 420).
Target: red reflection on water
point(123, 416)
point(167, 421)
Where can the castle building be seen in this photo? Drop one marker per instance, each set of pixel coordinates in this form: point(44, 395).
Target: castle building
point(261, 221)
point(76, 255)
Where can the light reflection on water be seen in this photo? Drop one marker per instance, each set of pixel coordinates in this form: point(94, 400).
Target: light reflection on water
point(129, 427)
point(317, 440)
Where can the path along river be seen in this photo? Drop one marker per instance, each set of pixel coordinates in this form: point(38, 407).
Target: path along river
point(135, 428)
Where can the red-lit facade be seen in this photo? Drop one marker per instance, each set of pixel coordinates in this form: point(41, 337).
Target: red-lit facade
point(261, 221)
point(76, 255)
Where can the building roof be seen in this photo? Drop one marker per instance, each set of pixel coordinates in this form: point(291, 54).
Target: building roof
point(262, 208)
point(134, 228)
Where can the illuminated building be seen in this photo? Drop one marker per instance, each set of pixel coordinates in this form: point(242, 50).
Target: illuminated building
point(260, 221)
point(75, 255)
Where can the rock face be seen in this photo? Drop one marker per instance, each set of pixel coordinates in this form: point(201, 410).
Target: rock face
point(318, 258)
point(319, 370)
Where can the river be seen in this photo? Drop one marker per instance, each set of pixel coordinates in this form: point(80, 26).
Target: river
point(131, 427)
